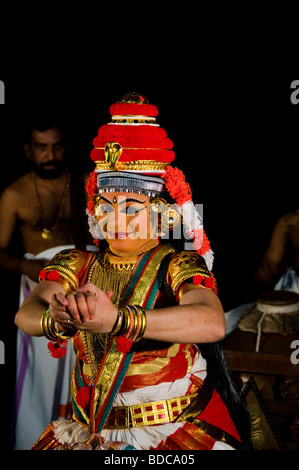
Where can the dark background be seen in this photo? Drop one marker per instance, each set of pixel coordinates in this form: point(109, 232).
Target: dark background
point(235, 134)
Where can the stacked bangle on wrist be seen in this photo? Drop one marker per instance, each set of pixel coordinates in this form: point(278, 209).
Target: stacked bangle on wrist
point(49, 329)
point(118, 323)
point(131, 322)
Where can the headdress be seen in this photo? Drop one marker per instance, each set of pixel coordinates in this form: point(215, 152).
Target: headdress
point(132, 153)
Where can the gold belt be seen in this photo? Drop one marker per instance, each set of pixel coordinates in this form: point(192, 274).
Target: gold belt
point(147, 414)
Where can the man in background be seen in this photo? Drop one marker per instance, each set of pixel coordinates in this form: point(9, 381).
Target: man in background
point(37, 209)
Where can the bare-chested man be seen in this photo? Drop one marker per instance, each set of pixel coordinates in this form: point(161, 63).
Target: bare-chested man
point(282, 253)
point(38, 204)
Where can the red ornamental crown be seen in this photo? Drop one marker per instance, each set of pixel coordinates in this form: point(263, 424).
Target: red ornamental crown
point(132, 141)
point(133, 153)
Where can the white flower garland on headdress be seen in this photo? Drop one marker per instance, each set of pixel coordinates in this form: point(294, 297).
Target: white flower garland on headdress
point(181, 193)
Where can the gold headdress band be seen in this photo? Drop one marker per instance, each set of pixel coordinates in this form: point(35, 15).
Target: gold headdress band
point(113, 152)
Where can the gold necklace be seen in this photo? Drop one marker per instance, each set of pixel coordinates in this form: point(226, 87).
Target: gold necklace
point(46, 233)
point(142, 249)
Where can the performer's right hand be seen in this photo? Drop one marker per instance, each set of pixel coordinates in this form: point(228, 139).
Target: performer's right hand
point(58, 308)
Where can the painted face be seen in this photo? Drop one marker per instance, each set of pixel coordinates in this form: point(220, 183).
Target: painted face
point(124, 220)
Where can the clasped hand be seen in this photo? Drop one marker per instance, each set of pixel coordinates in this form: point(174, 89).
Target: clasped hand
point(88, 308)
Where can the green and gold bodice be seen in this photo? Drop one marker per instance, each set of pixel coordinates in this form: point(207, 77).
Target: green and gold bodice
point(154, 276)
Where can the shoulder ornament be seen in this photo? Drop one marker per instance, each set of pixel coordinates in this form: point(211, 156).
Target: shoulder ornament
point(64, 268)
point(188, 270)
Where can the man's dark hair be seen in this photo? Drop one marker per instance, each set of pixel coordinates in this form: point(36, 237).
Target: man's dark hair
point(43, 124)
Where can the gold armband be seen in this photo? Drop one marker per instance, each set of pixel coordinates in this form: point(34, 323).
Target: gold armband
point(64, 268)
point(186, 288)
point(183, 267)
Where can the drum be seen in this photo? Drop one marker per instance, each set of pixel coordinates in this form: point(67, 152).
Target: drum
point(276, 311)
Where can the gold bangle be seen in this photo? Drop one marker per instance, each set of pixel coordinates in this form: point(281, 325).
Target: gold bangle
point(131, 322)
point(63, 337)
point(60, 336)
point(42, 321)
point(138, 321)
point(49, 329)
point(126, 323)
point(118, 322)
point(142, 323)
point(46, 324)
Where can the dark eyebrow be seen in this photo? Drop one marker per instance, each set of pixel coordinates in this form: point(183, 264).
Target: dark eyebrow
point(107, 200)
point(125, 200)
point(133, 200)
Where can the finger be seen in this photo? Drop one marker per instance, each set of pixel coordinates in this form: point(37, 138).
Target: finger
point(82, 306)
point(91, 304)
point(61, 318)
point(73, 307)
point(57, 310)
point(89, 287)
point(60, 299)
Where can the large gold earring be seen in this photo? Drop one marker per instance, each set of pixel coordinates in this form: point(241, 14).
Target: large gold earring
point(168, 217)
point(157, 205)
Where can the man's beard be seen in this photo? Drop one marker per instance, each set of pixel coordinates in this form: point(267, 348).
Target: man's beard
point(43, 171)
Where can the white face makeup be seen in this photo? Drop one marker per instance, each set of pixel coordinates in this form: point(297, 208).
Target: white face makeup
point(124, 220)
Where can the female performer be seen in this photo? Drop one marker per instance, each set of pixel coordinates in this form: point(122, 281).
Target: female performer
point(143, 316)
